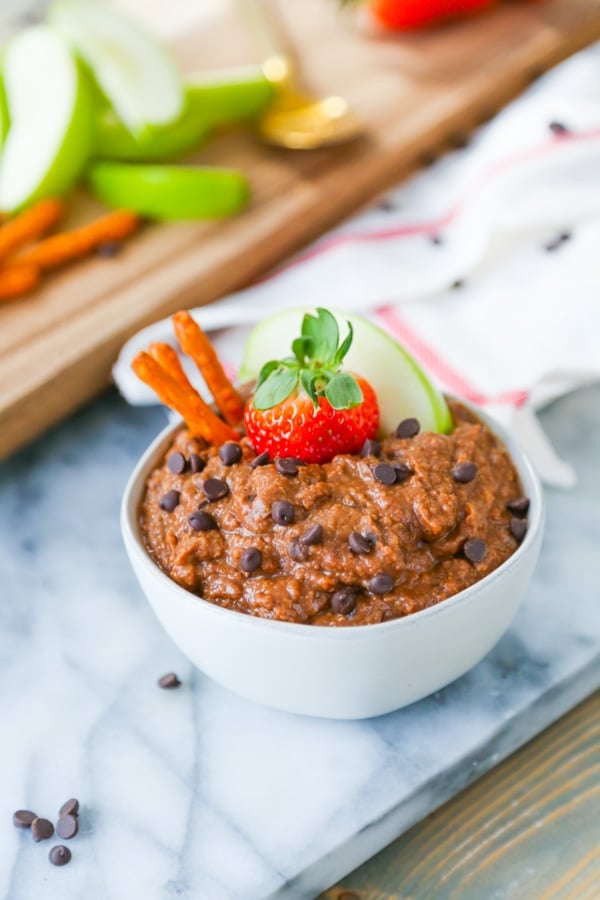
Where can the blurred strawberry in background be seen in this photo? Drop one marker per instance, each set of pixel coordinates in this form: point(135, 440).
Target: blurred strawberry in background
point(408, 14)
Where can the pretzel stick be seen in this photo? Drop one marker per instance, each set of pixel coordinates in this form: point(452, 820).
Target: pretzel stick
point(196, 344)
point(17, 280)
point(168, 358)
point(29, 225)
point(62, 248)
point(198, 416)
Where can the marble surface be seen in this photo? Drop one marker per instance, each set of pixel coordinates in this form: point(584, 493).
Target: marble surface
point(195, 793)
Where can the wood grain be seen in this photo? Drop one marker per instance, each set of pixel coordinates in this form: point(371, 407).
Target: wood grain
point(416, 94)
point(528, 830)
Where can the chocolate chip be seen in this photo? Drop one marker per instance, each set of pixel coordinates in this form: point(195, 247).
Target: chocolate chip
point(230, 453)
point(69, 808)
point(282, 512)
point(67, 827)
point(262, 459)
point(250, 559)
point(408, 428)
point(23, 818)
point(59, 855)
point(371, 448)
point(41, 830)
point(382, 583)
point(385, 473)
point(197, 464)
point(177, 463)
point(343, 602)
point(518, 529)
point(215, 488)
point(436, 239)
point(520, 506)
point(202, 521)
point(403, 472)
point(169, 501)
point(359, 543)
point(557, 242)
point(286, 466)
point(558, 128)
point(299, 551)
point(475, 550)
point(464, 472)
point(312, 535)
point(109, 249)
point(169, 681)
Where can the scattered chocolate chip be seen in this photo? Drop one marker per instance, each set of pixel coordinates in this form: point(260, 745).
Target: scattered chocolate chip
point(520, 506)
point(286, 466)
point(282, 512)
point(464, 472)
point(558, 128)
point(67, 827)
point(518, 529)
point(360, 543)
point(312, 535)
point(202, 521)
point(23, 818)
point(109, 249)
point(408, 428)
point(177, 463)
point(343, 602)
point(197, 464)
point(457, 285)
point(215, 488)
point(382, 583)
point(41, 829)
point(69, 808)
point(250, 559)
point(436, 239)
point(403, 473)
point(262, 459)
point(230, 453)
point(169, 681)
point(169, 501)
point(371, 448)
point(299, 551)
point(59, 855)
point(557, 242)
point(386, 205)
point(385, 473)
point(475, 550)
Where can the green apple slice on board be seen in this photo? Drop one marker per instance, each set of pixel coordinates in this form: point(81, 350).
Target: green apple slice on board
point(210, 99)
point(170, 192)
point(51, 119)
point(403, 390)
point(4, 117)
point(135, 72)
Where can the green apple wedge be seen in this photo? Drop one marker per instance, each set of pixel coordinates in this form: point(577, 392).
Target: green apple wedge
point(4, 117)
point(402, 388)
point(170, 192)
point(135, 73)
point(51, 119)
point(211, 99)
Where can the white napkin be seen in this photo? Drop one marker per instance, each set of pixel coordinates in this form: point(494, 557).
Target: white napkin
point(512, 221)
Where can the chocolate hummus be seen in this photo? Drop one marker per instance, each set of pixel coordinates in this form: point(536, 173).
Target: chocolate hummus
point(359, 540)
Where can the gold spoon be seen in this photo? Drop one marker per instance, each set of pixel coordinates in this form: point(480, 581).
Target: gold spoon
point(295, 119)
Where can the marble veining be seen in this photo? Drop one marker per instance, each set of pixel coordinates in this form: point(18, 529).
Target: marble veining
point(196, 793)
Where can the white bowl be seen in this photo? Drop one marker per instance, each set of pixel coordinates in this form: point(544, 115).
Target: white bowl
point(342, 673)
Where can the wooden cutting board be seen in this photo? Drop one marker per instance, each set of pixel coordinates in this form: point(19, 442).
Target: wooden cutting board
point(418, 94)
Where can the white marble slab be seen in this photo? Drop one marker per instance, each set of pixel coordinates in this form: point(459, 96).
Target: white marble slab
point(195, 793)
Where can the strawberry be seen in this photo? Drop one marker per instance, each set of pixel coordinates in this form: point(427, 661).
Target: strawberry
point(305, 406)
point(420, 13)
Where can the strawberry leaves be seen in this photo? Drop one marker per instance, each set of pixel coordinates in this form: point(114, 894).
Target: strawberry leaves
point(315, 366)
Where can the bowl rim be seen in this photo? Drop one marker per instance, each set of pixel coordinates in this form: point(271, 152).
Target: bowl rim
point(134, 545)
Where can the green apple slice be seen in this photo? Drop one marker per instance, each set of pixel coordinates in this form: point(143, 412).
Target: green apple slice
point(402, 388)
point(4, 117)
point(212, 99)
point(51, 116)
point(170, 192)
point(136, 73)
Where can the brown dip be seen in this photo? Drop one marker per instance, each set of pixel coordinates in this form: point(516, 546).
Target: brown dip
point(413, 537)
